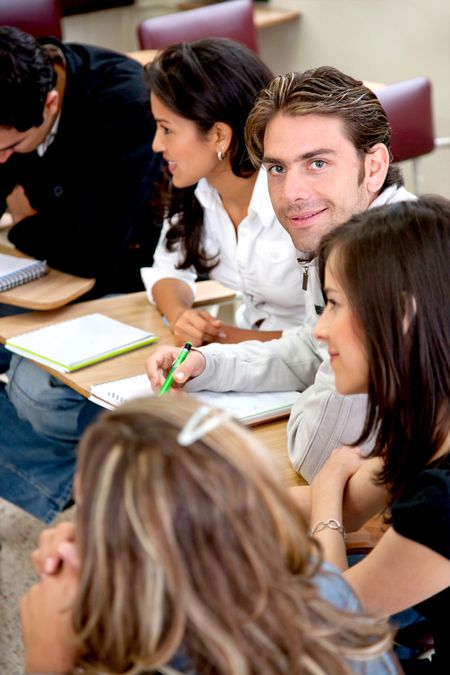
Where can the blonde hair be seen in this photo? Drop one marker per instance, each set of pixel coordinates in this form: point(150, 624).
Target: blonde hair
point(199, 549)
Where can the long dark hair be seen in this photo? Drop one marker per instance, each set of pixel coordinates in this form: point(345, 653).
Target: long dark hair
point(206, 81)
point(394, 265)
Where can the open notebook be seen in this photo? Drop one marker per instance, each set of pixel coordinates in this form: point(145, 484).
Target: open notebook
point(15, 271)
point(249, 408)
point(80, 342)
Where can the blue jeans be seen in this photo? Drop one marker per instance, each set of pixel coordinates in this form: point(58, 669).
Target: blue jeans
point(41, 421)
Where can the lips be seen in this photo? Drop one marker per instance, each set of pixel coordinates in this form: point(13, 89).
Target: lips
point(171, 165)
point(333, 356)
point(305, 219)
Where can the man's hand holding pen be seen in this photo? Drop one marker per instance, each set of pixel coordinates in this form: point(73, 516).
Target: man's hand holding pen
point(159, 364)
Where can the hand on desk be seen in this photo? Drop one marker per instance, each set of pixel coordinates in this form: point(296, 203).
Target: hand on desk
point(18, 205)
point(160, 362)
point(197, 326)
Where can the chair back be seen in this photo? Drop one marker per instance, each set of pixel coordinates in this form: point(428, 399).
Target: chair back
point(40, 18)
point(232, 19)
point(409, 110)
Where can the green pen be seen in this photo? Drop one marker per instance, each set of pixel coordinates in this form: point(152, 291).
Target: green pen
point(180, 358)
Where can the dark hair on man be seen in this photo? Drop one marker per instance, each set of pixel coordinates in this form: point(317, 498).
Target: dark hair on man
point(393, 264)
point(323, 91)
point(205, 81)
point(26, 76)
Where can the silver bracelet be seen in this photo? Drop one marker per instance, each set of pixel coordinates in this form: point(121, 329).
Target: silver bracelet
point(332, 524)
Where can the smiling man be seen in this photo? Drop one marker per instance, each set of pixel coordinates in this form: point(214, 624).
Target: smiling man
point(323, 138)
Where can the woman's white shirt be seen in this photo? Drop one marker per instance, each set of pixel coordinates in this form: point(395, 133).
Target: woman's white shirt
point(260, 261)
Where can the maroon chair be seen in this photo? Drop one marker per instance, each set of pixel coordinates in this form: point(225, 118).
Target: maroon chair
point(40, 18)
point(232, 19)
point(409, 109)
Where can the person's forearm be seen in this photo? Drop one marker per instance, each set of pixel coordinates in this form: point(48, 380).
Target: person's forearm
point(363, 499)
point(326, 525)
point(172, 297)
point(233, 335)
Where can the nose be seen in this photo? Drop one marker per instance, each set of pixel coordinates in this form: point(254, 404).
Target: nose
point(157, 144)
point(321, 329)
point(295, 187)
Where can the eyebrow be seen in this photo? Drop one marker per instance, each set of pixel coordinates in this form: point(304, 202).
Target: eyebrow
point(301, 158)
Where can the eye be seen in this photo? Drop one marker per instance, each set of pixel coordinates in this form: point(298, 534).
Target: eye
point(318, 164)
point(331, 304)
point(275, 170)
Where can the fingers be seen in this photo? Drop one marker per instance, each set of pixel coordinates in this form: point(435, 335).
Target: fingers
point(160, 362)
point(47, 558)
point(197, 326)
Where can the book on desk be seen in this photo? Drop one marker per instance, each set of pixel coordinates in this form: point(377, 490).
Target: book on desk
point(70, 345)
point(249, 408)
point(15, 270)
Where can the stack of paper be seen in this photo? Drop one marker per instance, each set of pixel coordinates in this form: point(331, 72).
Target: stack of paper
point(249, 408)
point(80, 342)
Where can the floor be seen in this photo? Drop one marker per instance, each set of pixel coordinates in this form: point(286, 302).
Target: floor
point(19, 533)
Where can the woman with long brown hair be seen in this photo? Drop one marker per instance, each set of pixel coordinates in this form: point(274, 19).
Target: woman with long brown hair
point(386, 277)
point(189, 555)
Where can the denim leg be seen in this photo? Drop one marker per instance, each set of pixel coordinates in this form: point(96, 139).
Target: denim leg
point(54, 410)
point(35, 474)
point(5, 354)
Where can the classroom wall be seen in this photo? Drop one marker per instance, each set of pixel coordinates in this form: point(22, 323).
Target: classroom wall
point(377, 40)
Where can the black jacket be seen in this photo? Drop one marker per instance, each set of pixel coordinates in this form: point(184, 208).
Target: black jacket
point(92, 187)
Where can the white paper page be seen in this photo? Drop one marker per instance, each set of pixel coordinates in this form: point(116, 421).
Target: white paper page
point(12, 263)
point(242, 405)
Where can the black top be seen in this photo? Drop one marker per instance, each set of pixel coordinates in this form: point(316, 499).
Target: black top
point(92, 187)
point(423, 515)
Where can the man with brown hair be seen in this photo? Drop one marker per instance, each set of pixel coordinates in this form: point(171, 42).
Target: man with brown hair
point(323, 138)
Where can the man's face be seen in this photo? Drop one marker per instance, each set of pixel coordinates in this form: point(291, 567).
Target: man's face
point(12, 140)
point(317, 179)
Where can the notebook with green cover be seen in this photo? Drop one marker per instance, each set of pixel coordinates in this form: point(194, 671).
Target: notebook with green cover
point(77, 343)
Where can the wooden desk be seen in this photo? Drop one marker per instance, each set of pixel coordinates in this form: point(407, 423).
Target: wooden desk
point(144, 56)
point(51, 291)
point(135, 310)
point(264, 17)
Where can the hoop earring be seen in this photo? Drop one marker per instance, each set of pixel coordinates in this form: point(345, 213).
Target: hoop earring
point(220, 155)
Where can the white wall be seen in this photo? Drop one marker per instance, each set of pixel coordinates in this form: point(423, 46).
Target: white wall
point(377, 40)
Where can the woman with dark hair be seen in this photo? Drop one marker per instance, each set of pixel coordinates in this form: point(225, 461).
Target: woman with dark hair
point(218, 218)
point(188, 555)
point(386, 278)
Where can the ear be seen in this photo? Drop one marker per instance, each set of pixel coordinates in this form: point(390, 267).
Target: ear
point(51, 105)
point(222, 134)
point(376, 165)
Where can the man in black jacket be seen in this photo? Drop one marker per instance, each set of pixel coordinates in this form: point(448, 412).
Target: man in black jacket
point(76, 173)
point(77, 168)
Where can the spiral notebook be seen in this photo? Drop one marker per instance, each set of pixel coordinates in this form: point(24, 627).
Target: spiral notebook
point(15, 271)
point(80, 342)
point(249, 408)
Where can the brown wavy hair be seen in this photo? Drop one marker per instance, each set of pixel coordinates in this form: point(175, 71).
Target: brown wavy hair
point(199, 549)
point(323, 91)
point(393, 262)
point(205, 81)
